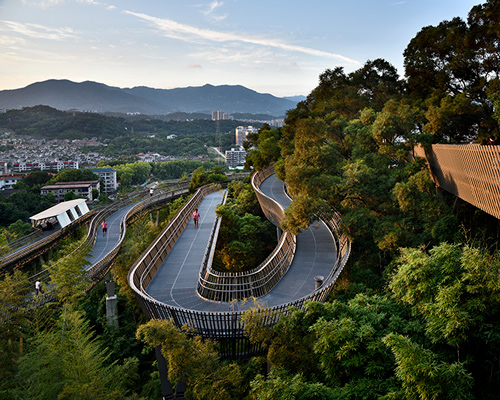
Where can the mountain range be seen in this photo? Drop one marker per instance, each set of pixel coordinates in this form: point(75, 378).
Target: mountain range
point(98, 97)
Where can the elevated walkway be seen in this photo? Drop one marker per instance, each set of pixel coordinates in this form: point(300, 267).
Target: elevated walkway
point(103, 245)
point(174, 284)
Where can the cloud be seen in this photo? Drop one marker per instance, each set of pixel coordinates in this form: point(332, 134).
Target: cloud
point(10, 41)
point(213, 6)
point(210, 12)
point(38, 31)
point(188, 33)
point(230, 55)
point(44, 4)
point(194, 66)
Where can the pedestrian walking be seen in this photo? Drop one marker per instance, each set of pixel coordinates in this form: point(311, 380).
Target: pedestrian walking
point(196, 217)
point(104, 228)
point(151, 191)
point(38, 287)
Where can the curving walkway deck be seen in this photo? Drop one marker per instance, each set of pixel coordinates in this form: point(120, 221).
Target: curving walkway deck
point(176, 280)
point(103, 245)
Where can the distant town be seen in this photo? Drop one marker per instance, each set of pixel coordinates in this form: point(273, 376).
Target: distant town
point(19, 156)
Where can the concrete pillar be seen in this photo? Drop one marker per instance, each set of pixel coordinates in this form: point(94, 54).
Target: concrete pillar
point(157, 217)
point(318, 281)
point(112, 310)
point(167, 390)
point(111, 301)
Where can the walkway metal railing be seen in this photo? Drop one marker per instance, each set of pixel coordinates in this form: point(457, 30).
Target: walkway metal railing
point(144, 269)
point(469, 171)
point(228, 286)
point(225, 326)
point(24, 240)
point(29, 253)
point(97, 271)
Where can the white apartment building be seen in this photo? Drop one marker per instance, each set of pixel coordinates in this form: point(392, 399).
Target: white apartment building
point(242, 132)
point(43, 166)
point(235, 157)
point(7, 181)
point(108, 178)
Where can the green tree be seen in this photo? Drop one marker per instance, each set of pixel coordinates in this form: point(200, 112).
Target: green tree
point(245, 239)
point(262, 148)
point(66, 362)
point(281, 386)
point(424, 376)
point(20, 228)
point(194, 361)
point(202, 177)
point(14, 310)
point(74, 175)
point(70, 196)
point(37, 178)
point(67, 274)
point(454, 288)
point(289, 341)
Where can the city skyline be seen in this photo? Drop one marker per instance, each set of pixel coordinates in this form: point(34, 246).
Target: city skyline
point(268, 47)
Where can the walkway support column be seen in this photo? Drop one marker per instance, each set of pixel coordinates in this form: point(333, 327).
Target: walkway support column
point(111, 302)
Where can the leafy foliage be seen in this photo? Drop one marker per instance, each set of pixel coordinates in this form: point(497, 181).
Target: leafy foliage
point(67, 363)
point(245, 238)
point(194, 361)
point(202, 177)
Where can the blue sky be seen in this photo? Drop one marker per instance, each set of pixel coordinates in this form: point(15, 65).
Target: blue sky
point(274, 46)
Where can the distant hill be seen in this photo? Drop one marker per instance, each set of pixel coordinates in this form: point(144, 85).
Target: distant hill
point(97, 97)
point(49, 123)
point(296, 99)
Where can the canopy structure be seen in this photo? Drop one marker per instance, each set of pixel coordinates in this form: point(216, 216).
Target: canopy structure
point(65, 213)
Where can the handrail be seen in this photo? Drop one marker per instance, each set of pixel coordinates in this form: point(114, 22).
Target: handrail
point(39, 247)
point(98, 270)
point(212, 241)
point(152, 258)
point(228, 286)
point(222, 325)
point(24, 240)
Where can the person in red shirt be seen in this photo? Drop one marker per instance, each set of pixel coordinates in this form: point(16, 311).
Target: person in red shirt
point(104, 228)
point(196, 217)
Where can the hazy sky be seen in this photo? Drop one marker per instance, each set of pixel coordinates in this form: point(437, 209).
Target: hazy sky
point(274, 46)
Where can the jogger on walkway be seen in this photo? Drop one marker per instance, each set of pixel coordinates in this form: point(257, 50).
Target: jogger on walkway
point(196, 217)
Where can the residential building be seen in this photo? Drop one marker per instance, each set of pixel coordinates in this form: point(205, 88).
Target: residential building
point(148, 157)
point(217, 115)
point(7, 181)
point(83, 188)
point(221, 115)
point(108, 178)
point(43, 166)
point(242, 132)
point(235, 157)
